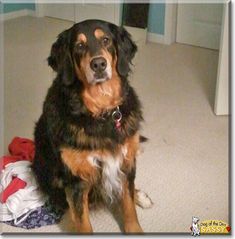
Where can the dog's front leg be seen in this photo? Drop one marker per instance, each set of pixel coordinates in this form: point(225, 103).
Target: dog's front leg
point(77, 194)
point(131, 223)
point(77, 197)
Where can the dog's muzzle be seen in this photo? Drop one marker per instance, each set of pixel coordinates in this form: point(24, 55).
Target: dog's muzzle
point(98, 64)
point(101, 69)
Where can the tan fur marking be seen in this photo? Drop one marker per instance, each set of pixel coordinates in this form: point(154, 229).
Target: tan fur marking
point(104, 96)
point(132, 145)
point(106, 54)
point(95, 99)
point(131, 223)
point(82, 224)
point(80, 71)
point(99, 33)
point(97, 102)
point(81, 38)
point(77, 162)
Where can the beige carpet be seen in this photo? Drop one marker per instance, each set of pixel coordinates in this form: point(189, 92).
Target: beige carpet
point(185, 164)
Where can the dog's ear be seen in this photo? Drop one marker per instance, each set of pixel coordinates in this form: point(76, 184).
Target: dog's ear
point(126, 49)
point(60, 59)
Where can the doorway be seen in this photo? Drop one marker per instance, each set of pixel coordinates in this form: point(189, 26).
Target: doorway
point(199, 24)
point(203, 25)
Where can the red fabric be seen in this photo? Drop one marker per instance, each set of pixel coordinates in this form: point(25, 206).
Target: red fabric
point(24, 148)
point(9, 159)
point(15, 185)
point(20, 149)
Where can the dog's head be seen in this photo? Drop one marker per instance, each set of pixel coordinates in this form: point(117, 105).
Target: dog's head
point(92, 51)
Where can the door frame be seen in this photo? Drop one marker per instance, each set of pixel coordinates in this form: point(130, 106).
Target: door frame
point(39, 12)
point(170, 37)
point(170, 23)
point(221, 106)
point(2, 144)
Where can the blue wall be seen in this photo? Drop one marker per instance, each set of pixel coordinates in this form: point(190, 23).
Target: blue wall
point(11, 7)
point(156, 21)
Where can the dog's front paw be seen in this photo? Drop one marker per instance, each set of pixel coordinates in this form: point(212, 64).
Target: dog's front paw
point(133, 228)
point(143, 200)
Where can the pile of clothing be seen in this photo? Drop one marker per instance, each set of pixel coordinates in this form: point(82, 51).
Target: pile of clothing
point(22, 204)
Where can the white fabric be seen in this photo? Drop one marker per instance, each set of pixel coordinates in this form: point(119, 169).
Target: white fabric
point(24, 200)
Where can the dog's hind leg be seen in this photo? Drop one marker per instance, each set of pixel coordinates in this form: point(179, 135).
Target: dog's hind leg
point(142, 199)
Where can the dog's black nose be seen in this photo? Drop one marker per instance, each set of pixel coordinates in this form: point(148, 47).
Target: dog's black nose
point(98, 64)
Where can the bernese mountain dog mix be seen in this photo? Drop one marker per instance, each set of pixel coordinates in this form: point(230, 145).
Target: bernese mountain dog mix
point(88, 136)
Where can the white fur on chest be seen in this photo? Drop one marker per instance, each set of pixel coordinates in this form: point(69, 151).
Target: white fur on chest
point(112, 176)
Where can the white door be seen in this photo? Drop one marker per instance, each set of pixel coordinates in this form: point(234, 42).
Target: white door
point(222, 85)
point(81, 11)
point(61, 11)
point(108, 12)
point(199, 24)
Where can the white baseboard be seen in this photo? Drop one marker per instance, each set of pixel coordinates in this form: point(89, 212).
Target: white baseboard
point(156, 38)
point(15, 14)
point(139, 35)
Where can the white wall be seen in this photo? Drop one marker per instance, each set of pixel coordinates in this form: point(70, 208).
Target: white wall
point(27, 77)
point(222, 85)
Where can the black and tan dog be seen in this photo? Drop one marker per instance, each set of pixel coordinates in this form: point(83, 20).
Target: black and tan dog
point(87, 137)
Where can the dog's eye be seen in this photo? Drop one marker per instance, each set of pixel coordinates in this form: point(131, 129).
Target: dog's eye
point(80, 45)
point(105, 41)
